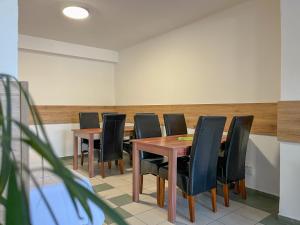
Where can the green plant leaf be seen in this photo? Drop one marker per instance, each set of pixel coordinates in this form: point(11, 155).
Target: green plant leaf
point(5, 160)
point(17, 211)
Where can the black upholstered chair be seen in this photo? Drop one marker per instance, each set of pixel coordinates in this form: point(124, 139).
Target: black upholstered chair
point(107, 113)
point(112, 141)
point(231, 163)
point(127, 145)
point(198, 173)
point(175, 124)
point(147, 126)
point(88, 120)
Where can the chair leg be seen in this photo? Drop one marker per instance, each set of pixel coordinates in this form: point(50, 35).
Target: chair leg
point(184, 195)
point(82, 159)
point(141, 184)
point(158, 190)
point(243, 189)
point(162, 192)
point(226, 195)
point(214, 199)
point(102, 169)
point(191, 202)
point(121, 165)
point(109, 164)
point(237, 187)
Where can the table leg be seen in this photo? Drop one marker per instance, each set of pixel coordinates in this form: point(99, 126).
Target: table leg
point(91, 155)
point(172, 180)
point(136, 173)
point(75, 152)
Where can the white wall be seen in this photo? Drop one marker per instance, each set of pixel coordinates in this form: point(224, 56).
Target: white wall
point(63, 80)
point(229, 57)
point(290, 76)
point(9, 37)
point(65, 74)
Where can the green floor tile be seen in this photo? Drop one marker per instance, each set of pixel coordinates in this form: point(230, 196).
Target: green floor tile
point(274, 220)
point(121, 200)
point(122, 212)
point(102, 187)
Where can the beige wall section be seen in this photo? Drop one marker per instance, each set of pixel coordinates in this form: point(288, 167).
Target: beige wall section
point(232, 56)
point(63, 80)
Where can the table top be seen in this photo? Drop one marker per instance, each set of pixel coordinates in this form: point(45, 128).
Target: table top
point(170, 142)
point(98, 130)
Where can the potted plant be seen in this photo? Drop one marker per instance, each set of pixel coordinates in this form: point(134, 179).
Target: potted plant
point(13, 196)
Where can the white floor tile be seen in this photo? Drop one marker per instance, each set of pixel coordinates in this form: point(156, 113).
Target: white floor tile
point(110, 193)
point(252, 213)
point(235, 219)
point(153, 216)
point(136, 208)
point(216, 223)
point(134, 221)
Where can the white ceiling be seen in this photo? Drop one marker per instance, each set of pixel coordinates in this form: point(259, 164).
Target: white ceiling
point(113, 24)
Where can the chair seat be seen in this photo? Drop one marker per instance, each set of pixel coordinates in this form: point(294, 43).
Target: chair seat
point(182, 172)
point(151, 166)
point(85, 145)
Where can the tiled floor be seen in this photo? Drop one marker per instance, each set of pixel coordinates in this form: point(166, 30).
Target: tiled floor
point(116, 189)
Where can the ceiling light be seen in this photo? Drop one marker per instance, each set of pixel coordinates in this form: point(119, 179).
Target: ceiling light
point(75, 12)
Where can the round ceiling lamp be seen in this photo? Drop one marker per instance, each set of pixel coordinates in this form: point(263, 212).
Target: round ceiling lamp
point(76, 12)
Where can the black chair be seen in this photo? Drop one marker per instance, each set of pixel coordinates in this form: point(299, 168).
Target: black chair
point(88, 120)
point(175, 124)
point(198, 173)
point(231, 165)
point(112, 141)
point(147, 126)
point(107, 113)
point(127, 145)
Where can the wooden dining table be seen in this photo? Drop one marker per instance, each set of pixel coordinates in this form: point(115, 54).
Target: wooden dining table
point(91, 135)
point(171, 147)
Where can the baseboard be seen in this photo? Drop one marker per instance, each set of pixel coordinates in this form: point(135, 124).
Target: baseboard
point(288, 220)
point(66, 157)
point(263, 193)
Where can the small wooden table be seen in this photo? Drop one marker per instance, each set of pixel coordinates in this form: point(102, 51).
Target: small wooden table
point(91, 135)
point(166, 146)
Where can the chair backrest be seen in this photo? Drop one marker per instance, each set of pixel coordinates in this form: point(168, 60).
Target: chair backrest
point(112, 137)
point(88, 120)
point(107, 113)
point(236, 147)
point(147, 126)
point(175, 124)
point(204, 153)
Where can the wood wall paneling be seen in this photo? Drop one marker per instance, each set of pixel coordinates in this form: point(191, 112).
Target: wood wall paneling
point(265, 121)
point(289, 121)
point(265, 114)
point(56, 114)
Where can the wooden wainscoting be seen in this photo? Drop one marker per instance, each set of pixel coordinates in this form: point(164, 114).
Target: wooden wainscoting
point(265, 114)
point(265, 121)
point(289, 121)
point(59, 114)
